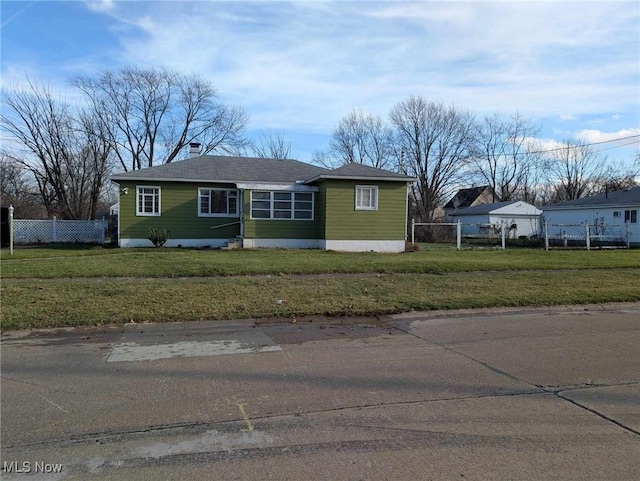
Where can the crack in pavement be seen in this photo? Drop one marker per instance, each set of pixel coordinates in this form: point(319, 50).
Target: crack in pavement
point(556, 390)
point(106, 436)
point(598, 413)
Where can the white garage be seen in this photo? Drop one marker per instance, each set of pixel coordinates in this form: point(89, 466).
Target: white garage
point(519, 218)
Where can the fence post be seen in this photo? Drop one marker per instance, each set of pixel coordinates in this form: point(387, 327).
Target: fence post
point(546, 235)
point(54, 229)
point(104, 228)
point(502, 235)
point(458, 235)
point(586, 226)
point(11, 230)
point(413, 231)
point(628, 237)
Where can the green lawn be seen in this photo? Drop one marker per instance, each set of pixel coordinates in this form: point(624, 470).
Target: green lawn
point(92, 261)
point(88, 285)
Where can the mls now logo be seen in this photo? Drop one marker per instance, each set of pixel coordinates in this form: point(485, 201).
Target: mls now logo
point(28, 467)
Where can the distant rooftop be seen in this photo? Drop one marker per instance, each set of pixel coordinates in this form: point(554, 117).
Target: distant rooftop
point(629, 196)
point(465, 197)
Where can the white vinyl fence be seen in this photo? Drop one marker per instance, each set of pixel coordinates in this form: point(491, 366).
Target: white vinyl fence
point(54, 230)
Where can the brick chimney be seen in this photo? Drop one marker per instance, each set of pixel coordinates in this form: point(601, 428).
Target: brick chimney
point(194, 149)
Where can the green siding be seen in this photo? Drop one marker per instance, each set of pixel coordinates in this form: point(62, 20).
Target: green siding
point(178, 213)
point(344, 222)
point(278, 229)
point(335, 217)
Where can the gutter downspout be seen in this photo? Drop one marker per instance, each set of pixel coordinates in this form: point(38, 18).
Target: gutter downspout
point(242, 216)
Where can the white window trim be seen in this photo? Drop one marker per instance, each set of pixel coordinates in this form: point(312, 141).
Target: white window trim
point(235, 214)
point(370, 187)
point(139, 212)
point(272, 203)
point(629, 219)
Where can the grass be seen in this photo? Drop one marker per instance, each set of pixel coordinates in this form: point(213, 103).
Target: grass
point(99, 262)
point(70, 287)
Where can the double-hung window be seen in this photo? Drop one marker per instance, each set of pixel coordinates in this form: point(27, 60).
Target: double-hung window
point(282, 205)
point(366, 197)
point(217, 202)
point(631, 216)
point(147, 200)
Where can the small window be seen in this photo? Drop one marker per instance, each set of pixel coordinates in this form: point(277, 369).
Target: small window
point(261, 205)
point(147, 200)
point(631, 216)
point(217, 202)
point(616, 213)
point(366, 197)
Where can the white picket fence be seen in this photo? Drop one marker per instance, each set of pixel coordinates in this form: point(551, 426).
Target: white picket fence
point(54, 230)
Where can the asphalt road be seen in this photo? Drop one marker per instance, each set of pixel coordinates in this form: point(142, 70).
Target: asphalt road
point(480, 395)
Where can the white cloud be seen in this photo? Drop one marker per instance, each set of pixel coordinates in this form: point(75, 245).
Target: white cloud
point(302, 66)
point(101, 6)
point(321, 59)
point(624, 137)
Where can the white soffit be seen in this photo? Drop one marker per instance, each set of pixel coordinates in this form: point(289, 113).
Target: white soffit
point(287, 187)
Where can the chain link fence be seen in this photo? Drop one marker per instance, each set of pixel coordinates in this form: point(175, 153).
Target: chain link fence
point(553, 236)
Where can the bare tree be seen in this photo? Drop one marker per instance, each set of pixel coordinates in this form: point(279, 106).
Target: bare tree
point(617, 177)
point(433, 143)
point(17, 190)
point(505, 156)
point(359, 138)
point(67, 156)
point(574, 170)
point(272, 146)
point(152, 114)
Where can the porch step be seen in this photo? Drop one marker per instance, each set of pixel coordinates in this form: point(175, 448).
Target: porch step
point(232, 244)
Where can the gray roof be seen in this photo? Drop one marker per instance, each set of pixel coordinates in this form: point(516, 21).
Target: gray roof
point(482, 208)
point(361, 172)
point(614, 198)
point(224, 169)
point(465, 197)
point(212, 168)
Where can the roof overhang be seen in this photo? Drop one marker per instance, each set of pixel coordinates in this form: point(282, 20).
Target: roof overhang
point(125, 178)
point(621, 205)
point(362, 178)
point(297, 187)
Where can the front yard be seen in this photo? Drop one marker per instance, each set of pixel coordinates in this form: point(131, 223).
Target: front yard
point(83, 285)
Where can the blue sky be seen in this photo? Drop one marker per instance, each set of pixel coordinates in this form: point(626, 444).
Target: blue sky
point(298, 68)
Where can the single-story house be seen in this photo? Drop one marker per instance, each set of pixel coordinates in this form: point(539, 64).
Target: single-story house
point(470, 197)
point(610, 215)
point(520, 219)
point(210, 200)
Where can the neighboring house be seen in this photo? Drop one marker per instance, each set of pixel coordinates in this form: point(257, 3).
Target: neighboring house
point(520, 218)
point(610, 215)
point(113, 209)
point(469, 198)
point(209, 200)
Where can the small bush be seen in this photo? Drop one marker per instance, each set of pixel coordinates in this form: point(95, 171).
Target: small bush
point(158, 236)
point(409, 247)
